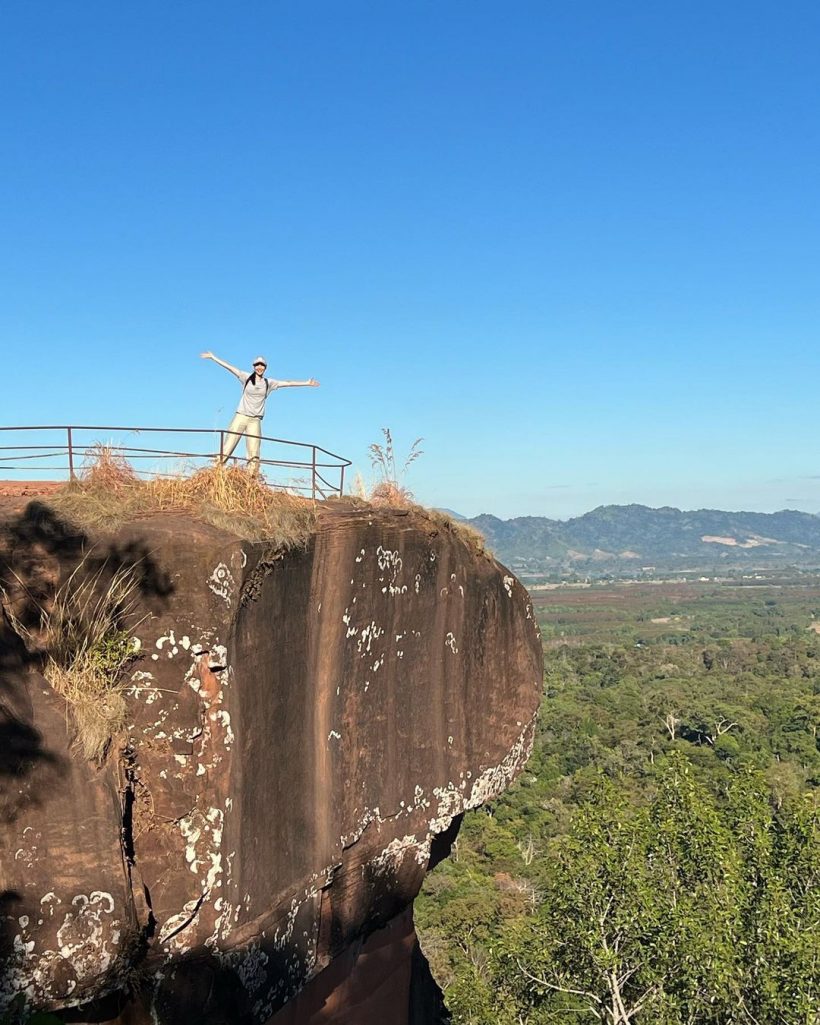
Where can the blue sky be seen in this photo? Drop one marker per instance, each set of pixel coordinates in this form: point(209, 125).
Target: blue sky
point(574, 246)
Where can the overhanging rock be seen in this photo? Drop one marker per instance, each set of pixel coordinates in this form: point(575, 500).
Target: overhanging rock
point(303, 734)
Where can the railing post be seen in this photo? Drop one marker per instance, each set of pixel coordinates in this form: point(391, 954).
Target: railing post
point(342, 482)
point(71, 476)
point(221, 446)
point(313, 474)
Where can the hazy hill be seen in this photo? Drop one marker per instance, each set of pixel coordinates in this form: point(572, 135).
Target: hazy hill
point(623, 536)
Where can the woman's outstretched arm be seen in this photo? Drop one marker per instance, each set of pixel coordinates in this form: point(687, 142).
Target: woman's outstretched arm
point(310, 383)
point(241, 374)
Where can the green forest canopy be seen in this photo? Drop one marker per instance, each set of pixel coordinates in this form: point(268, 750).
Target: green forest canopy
point(658, 859)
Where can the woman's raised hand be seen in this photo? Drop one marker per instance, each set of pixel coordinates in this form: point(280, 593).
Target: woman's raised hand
point(312, 383)
point(206, 355)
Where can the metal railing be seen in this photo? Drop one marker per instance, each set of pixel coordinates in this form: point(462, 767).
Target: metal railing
point(319, 472)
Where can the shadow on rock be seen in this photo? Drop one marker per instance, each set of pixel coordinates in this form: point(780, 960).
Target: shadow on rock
point(197, 989)
point(11, 909)
point(257, 991)
point(38, 551)
point(27, 767)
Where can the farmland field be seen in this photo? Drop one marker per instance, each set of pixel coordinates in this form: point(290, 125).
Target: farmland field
point(674, 613)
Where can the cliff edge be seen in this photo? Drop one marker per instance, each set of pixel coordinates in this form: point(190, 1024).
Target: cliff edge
point(303, 734)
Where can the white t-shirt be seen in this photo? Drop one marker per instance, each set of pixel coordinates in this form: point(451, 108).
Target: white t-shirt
point(255, 394)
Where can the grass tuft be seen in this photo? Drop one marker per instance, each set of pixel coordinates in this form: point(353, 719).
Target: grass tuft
point(104, 469)
point(84, 638)
point(391, 494)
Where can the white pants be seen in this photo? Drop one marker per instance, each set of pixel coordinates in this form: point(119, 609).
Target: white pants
point(251, 427)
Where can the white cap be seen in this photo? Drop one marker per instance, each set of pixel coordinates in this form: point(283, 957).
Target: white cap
point(259, 359)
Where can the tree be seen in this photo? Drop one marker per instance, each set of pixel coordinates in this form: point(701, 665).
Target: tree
point(682, 911)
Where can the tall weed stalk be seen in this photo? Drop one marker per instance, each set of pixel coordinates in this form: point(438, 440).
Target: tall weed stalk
point(388, 490)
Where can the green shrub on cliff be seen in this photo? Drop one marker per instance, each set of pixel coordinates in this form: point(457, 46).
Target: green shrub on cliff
point(84, 640)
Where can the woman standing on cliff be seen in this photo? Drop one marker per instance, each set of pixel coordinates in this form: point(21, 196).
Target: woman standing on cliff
point(248, 417)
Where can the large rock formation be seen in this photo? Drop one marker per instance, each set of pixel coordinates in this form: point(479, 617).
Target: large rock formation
point(304, 734)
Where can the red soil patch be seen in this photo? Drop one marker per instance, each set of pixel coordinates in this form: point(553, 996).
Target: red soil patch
point(29, 488)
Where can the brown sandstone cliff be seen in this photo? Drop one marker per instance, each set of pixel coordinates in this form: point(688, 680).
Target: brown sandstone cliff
point(304, 733)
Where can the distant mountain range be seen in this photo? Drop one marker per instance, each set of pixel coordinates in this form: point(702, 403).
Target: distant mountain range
point(617, 538)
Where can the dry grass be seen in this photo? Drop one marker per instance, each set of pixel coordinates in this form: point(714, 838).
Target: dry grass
point(109, 493)
point(465, 532)
point(105, 469)
point(84, 638)
point(436, 519)
point(98, 709)
point(390, 493)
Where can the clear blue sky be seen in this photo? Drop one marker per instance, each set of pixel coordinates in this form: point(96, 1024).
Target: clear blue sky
point(576, 245)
